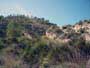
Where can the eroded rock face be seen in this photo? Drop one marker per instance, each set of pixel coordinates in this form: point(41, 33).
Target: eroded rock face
point(88, 64)
point(2, 61)
point(70, 65)
point(9, 61)
point(65, 65)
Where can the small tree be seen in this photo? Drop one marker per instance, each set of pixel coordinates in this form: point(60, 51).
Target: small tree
point(1, 44)
point(14, 30)
point(1, 17)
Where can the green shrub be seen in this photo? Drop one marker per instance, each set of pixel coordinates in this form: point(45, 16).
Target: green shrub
point(1, 44)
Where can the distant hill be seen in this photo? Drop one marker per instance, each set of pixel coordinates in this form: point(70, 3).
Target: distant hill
point(36, 43)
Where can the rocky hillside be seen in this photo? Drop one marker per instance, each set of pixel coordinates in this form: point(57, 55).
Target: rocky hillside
point(70, 32)
point(36, 43)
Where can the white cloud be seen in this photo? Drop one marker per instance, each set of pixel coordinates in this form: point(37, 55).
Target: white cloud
point(14, 10)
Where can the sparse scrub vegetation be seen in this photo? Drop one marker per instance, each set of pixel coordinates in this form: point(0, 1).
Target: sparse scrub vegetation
point(24, 43)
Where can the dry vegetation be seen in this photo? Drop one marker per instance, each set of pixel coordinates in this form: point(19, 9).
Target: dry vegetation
point(36, 43)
